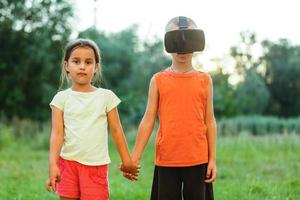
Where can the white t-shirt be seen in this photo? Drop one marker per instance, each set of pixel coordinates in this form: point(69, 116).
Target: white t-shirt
point(85, 124)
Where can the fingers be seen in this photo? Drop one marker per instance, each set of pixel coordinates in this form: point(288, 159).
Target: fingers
point(211, 175)
point(52, 184)
point(135, 169)
point(208, 172)
point(48, 185)
point(131, 177)
point(53, 181)
point(130, 172)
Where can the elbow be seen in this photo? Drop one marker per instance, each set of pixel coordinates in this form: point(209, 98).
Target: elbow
point(57, 136)
point(116, 131)
point(210, 123)
point(148, 121)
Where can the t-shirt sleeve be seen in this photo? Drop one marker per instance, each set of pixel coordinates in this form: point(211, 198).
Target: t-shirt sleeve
point(58, 101)
point(112, 101)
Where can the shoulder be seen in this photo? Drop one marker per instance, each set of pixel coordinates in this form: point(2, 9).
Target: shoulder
point(204, 75)
point(159, 75)
point(107, 94)
point(62, 93)
point(104, 91)
point(59, 99)
point(202, 72)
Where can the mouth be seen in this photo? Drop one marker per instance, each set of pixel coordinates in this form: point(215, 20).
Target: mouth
point(81, 74)
point(181, 55)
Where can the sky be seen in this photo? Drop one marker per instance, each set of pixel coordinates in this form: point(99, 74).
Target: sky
point(221, 20)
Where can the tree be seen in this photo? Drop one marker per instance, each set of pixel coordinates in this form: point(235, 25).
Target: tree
point(224, 101)
point(281, 74)
point(243, 53)
point(32, 34)
point(252, 95)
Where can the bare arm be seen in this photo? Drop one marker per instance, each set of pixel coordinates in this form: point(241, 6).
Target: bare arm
point(120, 141)
point(56, 142)
point(211, 134)
point(147, 123)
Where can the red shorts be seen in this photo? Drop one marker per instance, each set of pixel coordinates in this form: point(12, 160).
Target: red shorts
point(82, 181)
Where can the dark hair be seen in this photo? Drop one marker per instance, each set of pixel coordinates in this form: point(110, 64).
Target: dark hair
point(69, 48)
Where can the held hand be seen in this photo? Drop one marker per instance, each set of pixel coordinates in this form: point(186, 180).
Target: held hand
point(127, 175)
point(130, 171)
point(54, 177)
point(130, 167)
point(211, 173)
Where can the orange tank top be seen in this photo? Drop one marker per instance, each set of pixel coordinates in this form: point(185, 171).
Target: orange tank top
point(181, 138)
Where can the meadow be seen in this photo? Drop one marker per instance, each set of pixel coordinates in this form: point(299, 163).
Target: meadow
point(249, 168)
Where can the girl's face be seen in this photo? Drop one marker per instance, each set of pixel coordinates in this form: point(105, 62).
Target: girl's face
point(81, 65)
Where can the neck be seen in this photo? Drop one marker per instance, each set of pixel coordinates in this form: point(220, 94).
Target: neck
point(83, 88)
point(182, 67)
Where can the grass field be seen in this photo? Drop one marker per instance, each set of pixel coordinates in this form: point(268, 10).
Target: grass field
point(249, 168)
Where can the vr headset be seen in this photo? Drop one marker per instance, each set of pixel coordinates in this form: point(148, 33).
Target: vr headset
point(184, 40)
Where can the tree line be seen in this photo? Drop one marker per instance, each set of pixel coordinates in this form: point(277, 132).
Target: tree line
point(33, 34)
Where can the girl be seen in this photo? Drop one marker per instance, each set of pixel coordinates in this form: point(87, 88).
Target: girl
point(78, 158)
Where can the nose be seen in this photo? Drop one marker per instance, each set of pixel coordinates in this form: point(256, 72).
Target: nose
point(82, 66)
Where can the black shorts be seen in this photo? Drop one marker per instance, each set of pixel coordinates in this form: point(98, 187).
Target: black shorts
point(177, 183)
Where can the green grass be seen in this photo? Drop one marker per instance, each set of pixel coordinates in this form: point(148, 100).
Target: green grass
point(249, 168)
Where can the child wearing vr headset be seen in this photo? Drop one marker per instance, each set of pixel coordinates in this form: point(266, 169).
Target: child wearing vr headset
point(185, 158)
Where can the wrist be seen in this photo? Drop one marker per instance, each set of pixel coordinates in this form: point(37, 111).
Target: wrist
point(127, 162)
point(135, 156)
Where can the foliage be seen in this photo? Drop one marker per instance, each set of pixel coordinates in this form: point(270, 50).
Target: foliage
point(269, 84)
point(282, 72)
point(251, 95)
point(258, 125)
point(224, 102)
point(268, 167)
point(32, 34)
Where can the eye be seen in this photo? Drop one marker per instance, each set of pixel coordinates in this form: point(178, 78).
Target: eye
point(89, 62)
point(75, 61)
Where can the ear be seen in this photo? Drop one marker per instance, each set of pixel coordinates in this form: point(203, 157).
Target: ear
point(97, 66)
point(66, 66)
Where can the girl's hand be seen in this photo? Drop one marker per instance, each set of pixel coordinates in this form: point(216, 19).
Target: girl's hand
point(211, 173)
point(48, 185)
point(130, 176)
point(54, 176)
point(131, 170)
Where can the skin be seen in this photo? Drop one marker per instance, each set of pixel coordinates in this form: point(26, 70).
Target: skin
point(181, 63)
point(81, 67)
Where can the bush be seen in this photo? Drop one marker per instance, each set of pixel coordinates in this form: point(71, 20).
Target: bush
point(258, 125)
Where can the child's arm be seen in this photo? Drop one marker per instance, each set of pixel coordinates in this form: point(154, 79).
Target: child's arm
point(120, 142)
point(147, 123)
point(56, 142)
point(211, 135)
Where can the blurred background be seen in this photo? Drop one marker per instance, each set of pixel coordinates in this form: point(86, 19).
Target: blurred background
point(252, 53)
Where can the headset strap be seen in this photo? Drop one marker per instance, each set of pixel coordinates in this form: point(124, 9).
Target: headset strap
point(183, 22)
